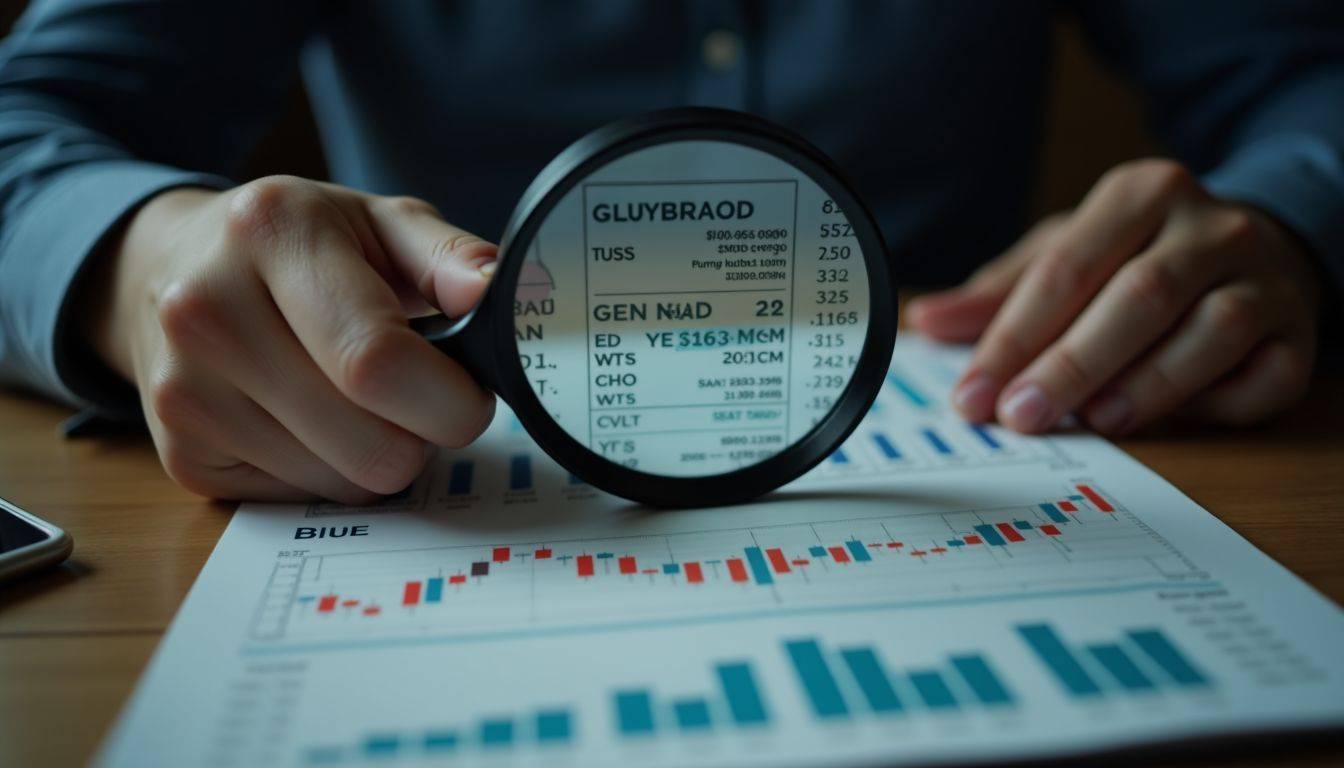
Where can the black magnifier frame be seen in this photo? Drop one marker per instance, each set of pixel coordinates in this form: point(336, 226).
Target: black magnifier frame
point(484, 339)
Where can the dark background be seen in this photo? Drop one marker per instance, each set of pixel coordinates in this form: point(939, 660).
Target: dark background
point(1093, 121)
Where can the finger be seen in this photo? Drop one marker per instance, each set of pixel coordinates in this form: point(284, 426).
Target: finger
point(1116, 220)
point(957, 316)
point(961, 314)
point(1223, 329)
point(271, 448)
point(1147, 296)
point(353, 204)
point(244, 482)
point(450, 266)
point(257, 352)
point(178, 419)
point(236, 426)
point(237, 482)
point(350, 322)
point(1275, 376)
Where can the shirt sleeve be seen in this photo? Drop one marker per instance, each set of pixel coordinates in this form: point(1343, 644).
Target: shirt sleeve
point(1250, 94)
point(103, 104)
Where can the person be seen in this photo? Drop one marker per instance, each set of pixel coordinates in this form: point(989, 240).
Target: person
point(261, 327)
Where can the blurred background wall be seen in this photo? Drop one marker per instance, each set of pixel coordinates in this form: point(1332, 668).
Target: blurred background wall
point(1093, 121)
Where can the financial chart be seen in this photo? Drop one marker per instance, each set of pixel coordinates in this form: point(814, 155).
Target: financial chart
point(1077, 537)
point(933, 591)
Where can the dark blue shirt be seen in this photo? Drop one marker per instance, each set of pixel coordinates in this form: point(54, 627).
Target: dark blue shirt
point(933, 108)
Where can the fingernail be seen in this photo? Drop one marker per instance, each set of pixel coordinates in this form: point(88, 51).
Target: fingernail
point(1027, 409)
point(975, 397)
point(1112, 413)
point(488, 268)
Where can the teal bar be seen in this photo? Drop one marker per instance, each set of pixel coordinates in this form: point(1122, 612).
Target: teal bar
point(434, 590)
point(1160, 650)
point(381, 745)
point(324, 755)
point(911, 394)
point(872, 680)
point(1052, 512)
point(937, 442)
point(933, 690)
point(990, 535)
point(859, 551)
point(496, 732)
point(1059, 659)
point(440, 741)
point(1121, 667)
point(887, 447)
point(459, 478)
point(671, 568)
point(553, 725)
point(982, 432)
point(982, 680)
point(692, 714)
point(817, 680)
point(759, 569)
point(634, 713)
point(744, 698)
point(520, 473)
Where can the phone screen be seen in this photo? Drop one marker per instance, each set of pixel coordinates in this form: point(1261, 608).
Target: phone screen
point(16, 533)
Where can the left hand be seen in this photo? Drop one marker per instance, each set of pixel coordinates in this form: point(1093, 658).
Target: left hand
point(1151, 296)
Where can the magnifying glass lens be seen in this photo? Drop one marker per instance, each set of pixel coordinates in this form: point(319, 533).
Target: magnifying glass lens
point(691, 308)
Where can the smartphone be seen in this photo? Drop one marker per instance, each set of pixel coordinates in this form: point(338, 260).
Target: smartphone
point(28, 543)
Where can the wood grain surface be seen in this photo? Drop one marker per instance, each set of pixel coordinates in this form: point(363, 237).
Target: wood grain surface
point(74, 640)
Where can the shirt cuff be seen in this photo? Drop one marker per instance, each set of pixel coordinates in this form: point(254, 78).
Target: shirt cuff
point(50, 244)
point(1299, 179)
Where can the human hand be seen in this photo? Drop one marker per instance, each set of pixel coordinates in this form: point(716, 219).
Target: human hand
point(265, 328)
point(1151, 297)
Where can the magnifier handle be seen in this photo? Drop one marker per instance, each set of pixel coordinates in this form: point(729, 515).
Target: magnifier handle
point(467, 342)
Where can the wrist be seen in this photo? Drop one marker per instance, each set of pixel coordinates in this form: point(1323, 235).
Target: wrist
point(121, 284)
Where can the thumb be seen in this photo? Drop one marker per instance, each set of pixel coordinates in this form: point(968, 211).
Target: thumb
point(958, 315)
point(449, 266)
point(961, 314)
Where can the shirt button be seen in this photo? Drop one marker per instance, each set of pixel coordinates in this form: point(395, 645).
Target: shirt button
point(721, 50)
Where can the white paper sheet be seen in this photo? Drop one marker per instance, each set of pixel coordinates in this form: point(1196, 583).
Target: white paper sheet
point(932, 593)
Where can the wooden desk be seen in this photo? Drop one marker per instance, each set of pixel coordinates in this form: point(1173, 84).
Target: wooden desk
point(74, 641)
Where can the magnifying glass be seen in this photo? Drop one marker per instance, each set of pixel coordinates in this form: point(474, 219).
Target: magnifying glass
point(691, 308)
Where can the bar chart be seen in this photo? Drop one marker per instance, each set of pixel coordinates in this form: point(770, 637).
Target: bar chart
point(964, 681)
point(1141, 660)
point(1080, 538)
point(551, 728)
point(738, 703)
point(910, 429)
point(882, 447)
point(816, 681)
point(836, 685)
point(1006, 598)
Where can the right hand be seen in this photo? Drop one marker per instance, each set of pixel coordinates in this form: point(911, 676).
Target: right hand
point(265, 328)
